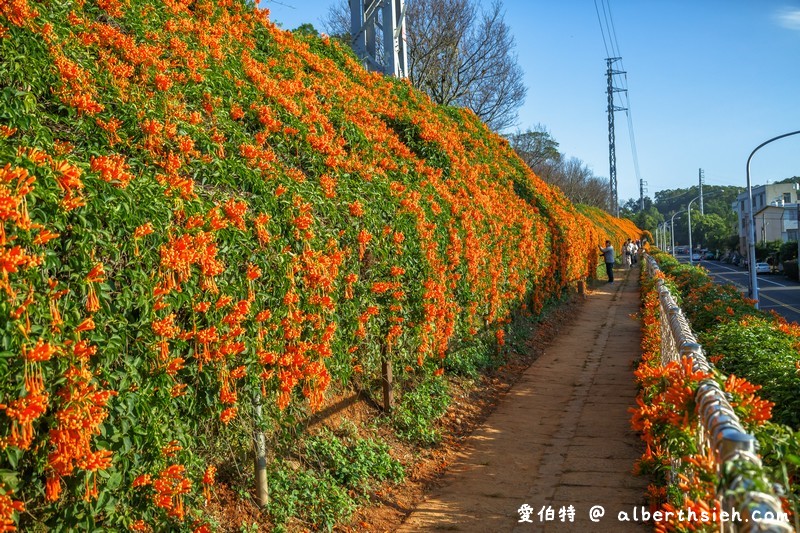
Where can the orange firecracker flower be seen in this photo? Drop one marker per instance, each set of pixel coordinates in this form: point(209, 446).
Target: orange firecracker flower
point(113, 169)
point(356, 209)
point(228, 414)
point(253, 272)
point(209, 479)
point(144, 229)
point(170, 486)
point(45, 236)
point(86, 325)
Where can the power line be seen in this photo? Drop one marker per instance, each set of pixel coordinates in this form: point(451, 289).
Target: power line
point(617, 82)
point(602, 31)
point(641, 182)
point(612, 31)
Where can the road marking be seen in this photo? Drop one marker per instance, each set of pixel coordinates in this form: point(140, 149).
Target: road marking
point(740, 272)
point(729, 268)
point(780, 304)
point(775, 282)
point(724, 277)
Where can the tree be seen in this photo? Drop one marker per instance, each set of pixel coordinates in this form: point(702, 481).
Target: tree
point(458, 54)
point(536, 147)
point(633, 206)
point(649, 219)
point(539, 150)
point(306, 29)
point(710, 231)
point(717, 201)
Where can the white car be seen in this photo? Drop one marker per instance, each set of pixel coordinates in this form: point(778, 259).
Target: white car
point(696, 257)
point(763, 268)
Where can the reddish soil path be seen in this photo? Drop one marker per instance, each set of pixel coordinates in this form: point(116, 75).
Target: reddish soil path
point(560, 437)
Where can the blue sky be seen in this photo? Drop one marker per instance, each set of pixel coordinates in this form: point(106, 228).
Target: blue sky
point(708, 80)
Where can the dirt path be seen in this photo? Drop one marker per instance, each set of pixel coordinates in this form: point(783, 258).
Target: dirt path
point(561, 436)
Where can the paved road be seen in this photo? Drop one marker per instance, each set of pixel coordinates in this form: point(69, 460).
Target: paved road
point(775, 291)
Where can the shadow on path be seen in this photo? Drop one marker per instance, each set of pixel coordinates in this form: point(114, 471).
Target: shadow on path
point(561, 437)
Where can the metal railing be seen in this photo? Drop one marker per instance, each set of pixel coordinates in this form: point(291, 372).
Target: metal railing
point(744, 493)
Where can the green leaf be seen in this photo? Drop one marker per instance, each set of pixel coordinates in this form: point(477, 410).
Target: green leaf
point(114, 481)
point(792, 458)
point(9, 479)
point(13, 455)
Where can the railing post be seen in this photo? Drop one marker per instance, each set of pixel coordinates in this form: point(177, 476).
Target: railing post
point(260, 455)
point(386, 380)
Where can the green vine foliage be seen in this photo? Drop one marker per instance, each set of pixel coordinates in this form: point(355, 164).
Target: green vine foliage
point(201, 213)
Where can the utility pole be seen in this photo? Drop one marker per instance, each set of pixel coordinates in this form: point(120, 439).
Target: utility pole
point(367, 19)
point(612, 156)
point(642, 190)
point(702, 179)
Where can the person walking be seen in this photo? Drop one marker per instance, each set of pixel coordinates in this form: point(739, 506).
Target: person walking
point(626, 250)
point(608, 257)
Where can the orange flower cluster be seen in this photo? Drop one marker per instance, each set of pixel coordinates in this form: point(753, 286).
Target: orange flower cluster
point(178, 255)
point(78, 419)
point(752, 409)
point(8, 506)
point(77, 89)
point(170, 486)
point(18, 12)
point(15, 184)
point(209, 479)
point(297, 209)
point(113, 169)
point(24, 411)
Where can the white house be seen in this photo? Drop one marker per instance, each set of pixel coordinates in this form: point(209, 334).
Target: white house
point(775, 207)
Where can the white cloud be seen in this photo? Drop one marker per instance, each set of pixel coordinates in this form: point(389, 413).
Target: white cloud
point(789, 18)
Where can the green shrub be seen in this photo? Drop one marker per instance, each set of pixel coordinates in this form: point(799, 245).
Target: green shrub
point(471, 359)
point(314, 498)
point(758, 351)
point(357, 465)
point(415, 415)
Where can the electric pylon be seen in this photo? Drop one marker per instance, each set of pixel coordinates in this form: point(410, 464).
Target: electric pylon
point(388, 17)
point(612, 156)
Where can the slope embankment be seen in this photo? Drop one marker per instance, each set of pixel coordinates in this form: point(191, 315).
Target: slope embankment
point(208, 224)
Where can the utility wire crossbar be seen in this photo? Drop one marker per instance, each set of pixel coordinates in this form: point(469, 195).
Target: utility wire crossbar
point(734, 450)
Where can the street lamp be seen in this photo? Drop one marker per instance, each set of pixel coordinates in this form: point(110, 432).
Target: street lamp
point(751, 226)
point(672, 231)
point(689, 209)
point(658, 235)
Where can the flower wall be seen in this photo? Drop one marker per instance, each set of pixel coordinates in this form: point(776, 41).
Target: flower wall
point(200, 211)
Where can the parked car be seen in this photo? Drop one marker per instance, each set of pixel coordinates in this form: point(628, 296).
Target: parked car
point(709, 255)
point(696, 256)
point(763, 268)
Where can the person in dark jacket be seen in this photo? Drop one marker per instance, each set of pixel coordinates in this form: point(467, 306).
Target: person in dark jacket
point(608, 257)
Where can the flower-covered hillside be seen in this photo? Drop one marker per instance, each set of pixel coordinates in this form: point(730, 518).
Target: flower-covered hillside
point(202, 212)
